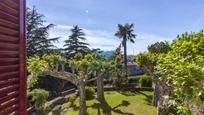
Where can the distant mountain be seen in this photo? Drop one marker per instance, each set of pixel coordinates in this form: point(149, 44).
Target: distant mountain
point(107, 53)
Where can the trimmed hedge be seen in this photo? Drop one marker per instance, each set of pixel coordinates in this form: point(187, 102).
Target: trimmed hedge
point(90, 92)
point(145, 81)
point(38, 99)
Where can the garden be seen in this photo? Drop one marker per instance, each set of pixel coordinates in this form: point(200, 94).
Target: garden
point(76, 79)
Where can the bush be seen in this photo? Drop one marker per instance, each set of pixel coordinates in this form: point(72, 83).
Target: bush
point(133, 79)
point(72, 99)
point(90, 92)
point(39, 98)
point(145, 81)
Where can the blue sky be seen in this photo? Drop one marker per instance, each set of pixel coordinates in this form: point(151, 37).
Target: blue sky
point(154, 20)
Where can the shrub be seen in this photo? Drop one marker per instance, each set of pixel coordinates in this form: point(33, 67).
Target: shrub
point(90, 92)
point(133, 79)
point(72, 99)
point(39, 98)
point(145, 81)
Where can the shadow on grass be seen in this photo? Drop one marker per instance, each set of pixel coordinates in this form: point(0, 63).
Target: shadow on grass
point(107, 109)
point(129, 93)
point(148, 98)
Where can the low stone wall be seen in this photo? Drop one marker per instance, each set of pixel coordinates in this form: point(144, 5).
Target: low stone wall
point(128, 89)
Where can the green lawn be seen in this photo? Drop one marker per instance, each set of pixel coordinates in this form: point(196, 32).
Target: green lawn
point(118, 103)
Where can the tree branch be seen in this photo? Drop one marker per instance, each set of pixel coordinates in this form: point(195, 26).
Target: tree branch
point(90, 80)
point(63, 75)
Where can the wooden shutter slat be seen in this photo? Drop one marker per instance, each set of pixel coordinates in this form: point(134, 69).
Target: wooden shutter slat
point(8, 24)
point(9, 46)
point(10, 54)
point(6, 16)
point(8, 97)
point(9, 89)
point(8, 61)
point(9, 75)
point(6, 38)
point(11, 3)
point(8, 9)
point(9, 104)
point(11, 110)
point(8, 83)
point(8, 31)
point(4, 98)
point(9, 69)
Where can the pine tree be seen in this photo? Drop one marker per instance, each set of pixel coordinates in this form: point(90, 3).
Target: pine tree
point(75, 43)
point(38, 41)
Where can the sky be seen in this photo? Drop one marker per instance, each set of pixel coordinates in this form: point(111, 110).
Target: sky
point(154, 20)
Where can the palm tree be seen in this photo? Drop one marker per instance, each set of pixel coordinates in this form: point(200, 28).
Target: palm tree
point(126, 33)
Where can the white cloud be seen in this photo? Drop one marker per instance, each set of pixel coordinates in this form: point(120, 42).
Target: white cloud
point(63, 27)
point(106, 40)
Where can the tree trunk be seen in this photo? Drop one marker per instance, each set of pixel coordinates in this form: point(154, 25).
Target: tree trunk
point(63, 67)
point(100, 91)
point(57, 66)
point(164, 91)
point(157, 92)
point(125, 55)
point(82, 97)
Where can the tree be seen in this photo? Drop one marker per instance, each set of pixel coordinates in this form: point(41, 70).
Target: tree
point(38, 41)
point(101, 70)
point(118, 72)
point(82, 67)
point(183, 69)
point(159, 47)
point(78, 75)
point(75, 43)
point(116, 53)
point(126, 33)
point(148, 61)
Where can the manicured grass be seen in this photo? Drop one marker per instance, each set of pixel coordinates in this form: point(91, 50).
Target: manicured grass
point(118, 103)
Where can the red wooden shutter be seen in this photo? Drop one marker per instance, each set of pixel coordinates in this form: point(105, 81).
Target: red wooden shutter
point(12, 57)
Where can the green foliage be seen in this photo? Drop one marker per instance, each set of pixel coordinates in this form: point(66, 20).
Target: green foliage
point(36, 65)
point(65, 106)
point(125, 32)
point(90, 92)
point(159, 47)
point(118, 72)
point(145, 81)
point(39, 97)
point(72, 99)
point(129, 103)
point(134, 79)
point(75, 43)
point(37, 34)
point(146, 59)
point(183, 67)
